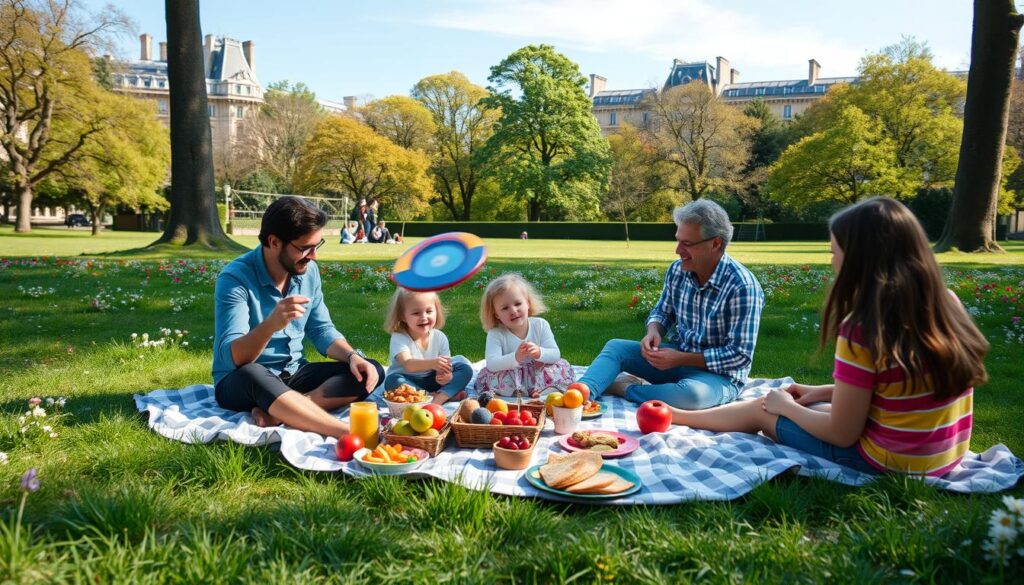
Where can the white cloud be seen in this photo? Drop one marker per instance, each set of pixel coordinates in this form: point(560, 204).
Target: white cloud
point(688, 29)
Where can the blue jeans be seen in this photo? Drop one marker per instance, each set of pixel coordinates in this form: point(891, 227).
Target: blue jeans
point(683, 387)
point(462, 372)
point(792, 435)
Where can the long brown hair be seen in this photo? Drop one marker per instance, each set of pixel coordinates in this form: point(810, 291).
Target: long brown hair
point(891, 287)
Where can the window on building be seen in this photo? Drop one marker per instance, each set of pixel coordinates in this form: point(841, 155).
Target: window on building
point(238, 89)
point(613, 119)
point(163, 106)
point(248, 90)
point(162, 83)
point(238, 111)
point(645, 118)
point(210, 110)
point(147, 83)
point(787, 112)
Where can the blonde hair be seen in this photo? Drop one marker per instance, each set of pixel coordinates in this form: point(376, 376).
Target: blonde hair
point(507, 282)
point(396, 309)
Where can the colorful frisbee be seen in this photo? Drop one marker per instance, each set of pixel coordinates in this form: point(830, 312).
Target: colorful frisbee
point(440, 262)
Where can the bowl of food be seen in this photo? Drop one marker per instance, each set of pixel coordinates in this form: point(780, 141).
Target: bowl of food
point(513, 452)
point(390, 459)
point(404, 396)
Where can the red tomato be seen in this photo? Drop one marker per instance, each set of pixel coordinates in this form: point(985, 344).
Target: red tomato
point(439, 414)
point(653, 416)
point(500, 416)
point(496, 421)
point(347, 446)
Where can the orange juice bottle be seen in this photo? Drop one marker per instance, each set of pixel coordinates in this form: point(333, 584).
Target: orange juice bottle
point(363, 422)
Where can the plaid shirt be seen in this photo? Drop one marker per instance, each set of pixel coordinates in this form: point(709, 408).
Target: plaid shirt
point(719, 319)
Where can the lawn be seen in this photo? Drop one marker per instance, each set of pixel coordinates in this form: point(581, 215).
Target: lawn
point(120, 504)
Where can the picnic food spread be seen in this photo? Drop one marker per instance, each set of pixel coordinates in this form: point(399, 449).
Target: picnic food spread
point(580, 473)
point(595, 441)
point(391, 453)
point(407, 394)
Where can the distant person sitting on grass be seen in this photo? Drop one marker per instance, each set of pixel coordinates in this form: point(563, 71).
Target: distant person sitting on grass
point(266, 303)
point(907, 357)
point(348, 233)
point(379, 234)
point(711, 307)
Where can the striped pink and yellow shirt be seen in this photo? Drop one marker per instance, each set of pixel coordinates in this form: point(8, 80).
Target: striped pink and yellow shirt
point(908, 430)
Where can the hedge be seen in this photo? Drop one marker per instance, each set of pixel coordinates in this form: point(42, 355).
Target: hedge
point(654, 231)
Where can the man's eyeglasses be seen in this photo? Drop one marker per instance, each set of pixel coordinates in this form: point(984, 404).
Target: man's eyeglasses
point(307, 250)
point(692, 244)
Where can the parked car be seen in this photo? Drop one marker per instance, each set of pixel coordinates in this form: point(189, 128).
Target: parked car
point(76, 220)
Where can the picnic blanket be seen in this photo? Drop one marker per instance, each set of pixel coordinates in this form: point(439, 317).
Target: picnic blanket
point(680, 465)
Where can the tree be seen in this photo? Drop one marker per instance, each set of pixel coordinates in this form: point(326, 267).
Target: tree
point(766, 146)
point(547, 149)
point(636, 175)
point(706, 139)
point(994, 42)
point(847, 162)
point(347, 156)
point(125, 164)
point(46, 80)
point(193, 218)
point(271, 141)
point(462, 126)
point(402, 120)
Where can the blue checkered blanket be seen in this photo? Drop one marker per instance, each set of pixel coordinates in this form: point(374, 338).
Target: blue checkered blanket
point(677, 466)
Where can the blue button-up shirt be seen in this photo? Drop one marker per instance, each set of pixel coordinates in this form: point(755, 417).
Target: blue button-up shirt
point(719, 319)
point(245, 296)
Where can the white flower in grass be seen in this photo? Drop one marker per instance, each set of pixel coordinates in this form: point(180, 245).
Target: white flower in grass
point(1002, 534)
point(135, 335)
point(53, 435)
point(1015, 505)
point(61, 402)
point(39, 412)
point(4, 459)
point(184, 344)
point(49, 401)
point(1000, 520)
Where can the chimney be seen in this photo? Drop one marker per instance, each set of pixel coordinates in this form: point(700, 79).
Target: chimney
point(734, 77)
point(163, 52)
point(208, 54)
point(146, 46)
point(249, 50)
point(597, 84)
point(722, 65)
point(813, 70)
point(350, 103)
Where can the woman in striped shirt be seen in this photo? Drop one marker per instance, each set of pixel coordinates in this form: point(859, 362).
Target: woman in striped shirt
point(907, 358)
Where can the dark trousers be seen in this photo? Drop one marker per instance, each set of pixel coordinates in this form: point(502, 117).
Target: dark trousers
point(254, 385)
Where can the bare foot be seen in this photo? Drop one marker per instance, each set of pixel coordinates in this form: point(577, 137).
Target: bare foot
point(459, 396)
point(263, 419)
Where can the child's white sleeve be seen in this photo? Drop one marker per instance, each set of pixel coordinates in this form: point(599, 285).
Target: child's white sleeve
point(399, 343)
point(549, 352)
point(497, 360)
point(443, 349)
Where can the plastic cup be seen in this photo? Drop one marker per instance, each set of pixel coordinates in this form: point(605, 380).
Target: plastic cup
point(566, 419)
point(364, 422)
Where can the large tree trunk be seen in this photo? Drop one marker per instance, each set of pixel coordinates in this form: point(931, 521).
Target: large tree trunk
point(193, 217)
point(971, 223)
point(24, 208)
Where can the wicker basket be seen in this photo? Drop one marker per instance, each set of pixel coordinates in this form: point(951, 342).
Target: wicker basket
point(484, 436)
point(432, 445)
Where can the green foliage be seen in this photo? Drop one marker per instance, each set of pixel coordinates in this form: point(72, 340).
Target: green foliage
point(348, 157)
point(462, 126)
point(846, 162)
point(546, 150)
point(402, 120)
point(639, 179)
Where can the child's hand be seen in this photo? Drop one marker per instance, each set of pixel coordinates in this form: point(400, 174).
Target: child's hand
point(522, 352)
point(532, 349)
point(443, 378)
point(777, 401)
point(535, 393)
point(443, 364)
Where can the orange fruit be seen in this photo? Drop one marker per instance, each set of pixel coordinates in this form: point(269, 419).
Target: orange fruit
point(497, 405)
point(572, 398)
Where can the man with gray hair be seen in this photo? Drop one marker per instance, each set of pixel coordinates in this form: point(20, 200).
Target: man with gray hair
point(710, 307)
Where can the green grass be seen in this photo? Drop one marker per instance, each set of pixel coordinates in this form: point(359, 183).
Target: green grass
point(119, 503)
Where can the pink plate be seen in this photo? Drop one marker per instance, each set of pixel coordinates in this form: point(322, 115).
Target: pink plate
point(627, 444)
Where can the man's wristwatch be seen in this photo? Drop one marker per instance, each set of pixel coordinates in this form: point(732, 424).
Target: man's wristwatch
point(358, 352)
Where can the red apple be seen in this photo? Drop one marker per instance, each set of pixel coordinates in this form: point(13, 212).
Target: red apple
point(440, 416)
point(653, 416)
point(582, 388)
point(347, 446)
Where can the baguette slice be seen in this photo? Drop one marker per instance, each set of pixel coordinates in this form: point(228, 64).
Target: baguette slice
point(593, 483)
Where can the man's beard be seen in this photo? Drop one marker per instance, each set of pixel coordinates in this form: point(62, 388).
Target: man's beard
point(292, 268)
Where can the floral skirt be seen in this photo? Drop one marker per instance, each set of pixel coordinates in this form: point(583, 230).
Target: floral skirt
point(531, 378)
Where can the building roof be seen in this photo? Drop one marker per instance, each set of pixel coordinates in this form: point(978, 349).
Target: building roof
point(683, 73)
point(226, 63)
point(782, 88)
point(621, 96)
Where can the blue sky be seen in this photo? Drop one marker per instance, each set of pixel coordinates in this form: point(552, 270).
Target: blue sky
point(374, 49)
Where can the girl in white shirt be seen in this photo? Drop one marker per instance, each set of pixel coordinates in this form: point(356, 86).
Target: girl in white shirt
point(521, 351)
point(419, 352)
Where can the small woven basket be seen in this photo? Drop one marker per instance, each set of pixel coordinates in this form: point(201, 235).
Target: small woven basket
point(432, 445)
point(472, 435)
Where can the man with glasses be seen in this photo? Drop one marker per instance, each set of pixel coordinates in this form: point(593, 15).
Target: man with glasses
point(711, 307)
point(266, 303)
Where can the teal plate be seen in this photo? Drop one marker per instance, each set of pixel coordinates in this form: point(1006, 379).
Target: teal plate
point(604, 409)
point(533, 477)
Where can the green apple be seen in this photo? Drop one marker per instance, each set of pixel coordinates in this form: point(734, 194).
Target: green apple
point(431, 432)
point(422, 420)
point(409, 410)
point(404, 429)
